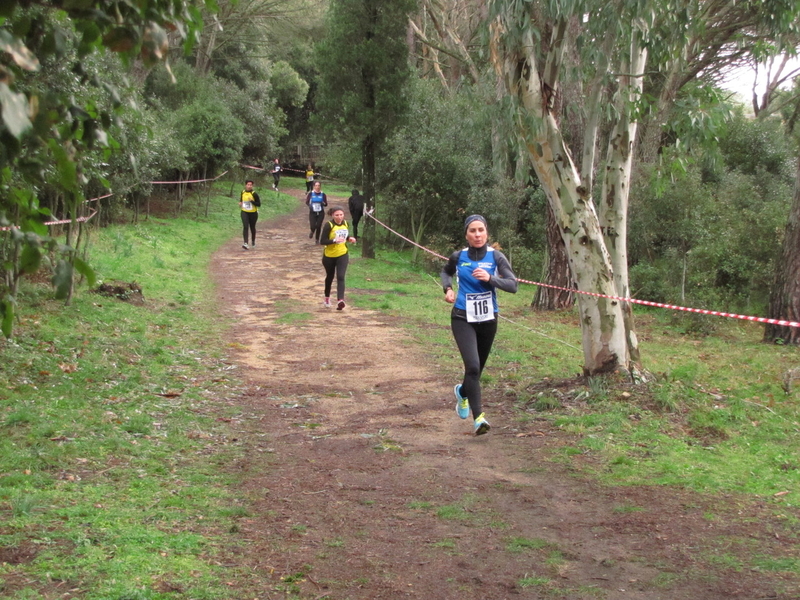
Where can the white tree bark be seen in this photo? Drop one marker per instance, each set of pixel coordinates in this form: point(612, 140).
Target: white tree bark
point(602, 323)
point(616, 183)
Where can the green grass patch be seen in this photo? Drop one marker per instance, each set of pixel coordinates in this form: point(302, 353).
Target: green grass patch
point(716, 417)
point(535, 582)
point(521, 544)
point(110, 438)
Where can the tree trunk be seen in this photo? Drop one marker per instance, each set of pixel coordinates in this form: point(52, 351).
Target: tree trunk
point(602, 320)
point(368, 162)
point(617, 183)
point(785, 295)
point(556, 273)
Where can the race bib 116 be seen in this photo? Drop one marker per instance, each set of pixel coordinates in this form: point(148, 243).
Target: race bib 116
point(480, 307)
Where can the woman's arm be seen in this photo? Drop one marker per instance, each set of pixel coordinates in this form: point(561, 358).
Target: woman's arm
point(448, 271)
point(325, 234)
point(504, 279)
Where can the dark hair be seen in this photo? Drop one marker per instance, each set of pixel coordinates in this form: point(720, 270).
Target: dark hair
point(333, 209)
point(246, 181)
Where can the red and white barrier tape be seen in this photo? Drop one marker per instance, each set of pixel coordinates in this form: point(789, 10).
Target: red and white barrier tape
point(188, 180)
point(281, 171)
point(84, 219)
point(780, 322)
point(62, 221)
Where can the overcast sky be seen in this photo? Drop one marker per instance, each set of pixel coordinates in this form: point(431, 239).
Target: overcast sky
point(741, 80)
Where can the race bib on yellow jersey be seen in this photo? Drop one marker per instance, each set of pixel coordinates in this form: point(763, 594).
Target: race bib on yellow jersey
point(340, 236)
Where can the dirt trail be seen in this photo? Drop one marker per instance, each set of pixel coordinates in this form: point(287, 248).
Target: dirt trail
point(367, 485)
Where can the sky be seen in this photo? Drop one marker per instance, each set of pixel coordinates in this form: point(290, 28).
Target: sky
point(741, 80)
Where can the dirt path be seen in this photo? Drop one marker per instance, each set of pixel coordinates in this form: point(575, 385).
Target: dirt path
point(366, 484)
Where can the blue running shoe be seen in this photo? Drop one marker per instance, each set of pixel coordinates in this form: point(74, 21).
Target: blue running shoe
point(462, 404)
point(481, 425)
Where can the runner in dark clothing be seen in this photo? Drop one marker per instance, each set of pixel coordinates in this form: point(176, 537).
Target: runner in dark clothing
point(276, 174)
point(249, 203)
point(480, 271)
point(356, 205)
point(316, 201)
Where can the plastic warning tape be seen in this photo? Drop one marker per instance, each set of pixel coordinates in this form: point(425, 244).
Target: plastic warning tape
point(702, 311)
point(84, 219)
point(281, 171)
point(188, 180)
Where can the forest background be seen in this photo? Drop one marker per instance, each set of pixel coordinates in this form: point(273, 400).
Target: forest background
point(102, 104)
point(100, 100)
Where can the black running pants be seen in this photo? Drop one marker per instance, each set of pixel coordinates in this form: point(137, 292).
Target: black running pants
point(474, 341)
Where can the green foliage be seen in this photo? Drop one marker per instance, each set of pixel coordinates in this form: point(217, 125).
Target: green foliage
point(246, 114)
point(363, 67)
point(60, 103)
point(434, 162)
point(290, 90)
point(438, 170)
point(212, 137)
point(753, 146)
point(709, 238)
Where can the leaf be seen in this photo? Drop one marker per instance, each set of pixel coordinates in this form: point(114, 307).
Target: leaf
point(84, 269)
point(24, 58)
point(30, 259)
point(15, 111)
point(7, 314)
point(62, 279)
point(120, 39)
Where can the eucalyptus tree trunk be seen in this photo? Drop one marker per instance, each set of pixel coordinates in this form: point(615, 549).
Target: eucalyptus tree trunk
point(785, 294)
point(613, 213)
point(556, 273)
point(368, 167)
point(602, 320)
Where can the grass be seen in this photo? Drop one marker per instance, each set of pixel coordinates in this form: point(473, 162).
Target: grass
point(715, 415)
point(108, 414)
point(112, 428)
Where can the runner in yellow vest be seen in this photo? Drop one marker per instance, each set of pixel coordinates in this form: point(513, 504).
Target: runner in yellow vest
point(249, 203)
point(335, 236)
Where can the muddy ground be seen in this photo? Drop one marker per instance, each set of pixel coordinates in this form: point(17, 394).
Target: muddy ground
point(366, 485)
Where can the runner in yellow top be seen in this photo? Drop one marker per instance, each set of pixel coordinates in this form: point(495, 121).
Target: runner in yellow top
point(309, 178)
point(249, 203)
point(335, 236)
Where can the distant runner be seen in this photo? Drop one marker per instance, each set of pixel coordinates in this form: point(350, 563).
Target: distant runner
point(335, 236)
point(480, 271)
point(309, 178)
point(249, 203)
point(276, 174)
point(356, 205)
point(316, 201)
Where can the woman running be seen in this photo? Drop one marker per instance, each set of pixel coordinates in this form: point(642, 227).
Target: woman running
point(335, 235)
point(316, 201)
point(276, 174)
point(480, 270)
point(309, 178)
point(249, 203)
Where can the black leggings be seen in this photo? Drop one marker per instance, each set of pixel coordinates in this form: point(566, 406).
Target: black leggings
point(336, 265)
point(355, 217)
point(315, 220)
point(474, 342)
point(249, 222)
